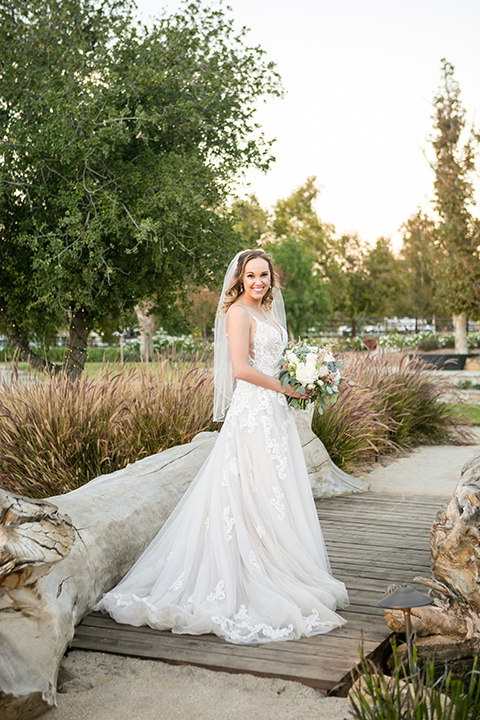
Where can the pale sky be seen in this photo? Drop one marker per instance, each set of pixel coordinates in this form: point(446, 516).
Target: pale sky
point(360, 77)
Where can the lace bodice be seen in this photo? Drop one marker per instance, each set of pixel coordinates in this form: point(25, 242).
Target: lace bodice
point(268, 345)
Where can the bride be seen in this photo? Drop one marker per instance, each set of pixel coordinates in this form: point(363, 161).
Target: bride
point(242, 555)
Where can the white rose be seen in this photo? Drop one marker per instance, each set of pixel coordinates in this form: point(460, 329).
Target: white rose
point(329, 357)
point(291, 357)
point(323, 371)
point(306, 374)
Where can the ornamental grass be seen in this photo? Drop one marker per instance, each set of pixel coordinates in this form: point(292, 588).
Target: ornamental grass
point(416, 695)
point(390, 407)
point(57, 434)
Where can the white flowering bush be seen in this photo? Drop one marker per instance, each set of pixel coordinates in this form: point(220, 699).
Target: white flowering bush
point(395, 341)
point(163, 340)
point(446, 340)
point(355, 343)
point(473, 339)
point(425, 340)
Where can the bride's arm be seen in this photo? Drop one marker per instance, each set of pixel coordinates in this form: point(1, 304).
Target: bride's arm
point(238, 324)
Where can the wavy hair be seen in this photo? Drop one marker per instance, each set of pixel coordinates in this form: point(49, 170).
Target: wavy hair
point(235, 288)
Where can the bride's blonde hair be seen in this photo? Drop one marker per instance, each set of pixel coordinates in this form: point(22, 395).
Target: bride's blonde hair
point(236, 285)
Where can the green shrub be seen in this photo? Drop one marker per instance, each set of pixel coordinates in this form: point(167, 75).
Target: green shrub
point(56, 434)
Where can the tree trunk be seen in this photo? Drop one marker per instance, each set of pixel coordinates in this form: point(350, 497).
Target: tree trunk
point(354, 328)
point(77, 352)
point(78, 339)
point(20, 344)
point(460, 328)
point(147, 324)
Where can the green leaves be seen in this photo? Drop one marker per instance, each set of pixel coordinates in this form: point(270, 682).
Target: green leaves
point(458, 263)
point(118, 147)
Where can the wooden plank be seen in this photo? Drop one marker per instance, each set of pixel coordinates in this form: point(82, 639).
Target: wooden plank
point(102, 623)
point(287, 652)
point(372, 540)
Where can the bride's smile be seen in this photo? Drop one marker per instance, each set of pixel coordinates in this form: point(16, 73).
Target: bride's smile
point(256, 280)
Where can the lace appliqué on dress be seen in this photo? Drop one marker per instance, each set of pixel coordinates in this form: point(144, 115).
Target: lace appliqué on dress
point(218, 593)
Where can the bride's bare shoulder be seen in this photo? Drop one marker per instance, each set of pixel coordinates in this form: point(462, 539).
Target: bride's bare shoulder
point(237, 306)
point(238, 316)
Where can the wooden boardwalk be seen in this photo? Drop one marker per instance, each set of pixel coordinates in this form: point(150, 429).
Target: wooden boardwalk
point(373, 540)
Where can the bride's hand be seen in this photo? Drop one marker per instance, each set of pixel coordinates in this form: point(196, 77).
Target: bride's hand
point(291, 392)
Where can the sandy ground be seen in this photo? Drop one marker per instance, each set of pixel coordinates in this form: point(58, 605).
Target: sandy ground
point(99, 686)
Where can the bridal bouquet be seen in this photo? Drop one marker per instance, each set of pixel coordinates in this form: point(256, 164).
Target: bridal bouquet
point(313, 370)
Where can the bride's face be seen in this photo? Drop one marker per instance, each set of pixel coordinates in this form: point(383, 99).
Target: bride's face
point(256, 278)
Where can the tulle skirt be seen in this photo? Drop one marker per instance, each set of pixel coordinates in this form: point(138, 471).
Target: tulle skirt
point(242, 555)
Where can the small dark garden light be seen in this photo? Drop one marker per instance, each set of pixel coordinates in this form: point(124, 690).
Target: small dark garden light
point(405, 598)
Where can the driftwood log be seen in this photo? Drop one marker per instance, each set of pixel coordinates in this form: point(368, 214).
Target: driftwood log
point(454, 617)
point(58, 558)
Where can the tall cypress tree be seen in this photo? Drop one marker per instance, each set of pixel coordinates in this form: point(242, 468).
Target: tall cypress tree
point(458, 233)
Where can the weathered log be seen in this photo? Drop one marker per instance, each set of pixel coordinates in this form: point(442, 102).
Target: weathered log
point(113, 519)
point(455, 552)
point(455, 538)
point(33, 537)
point(448, 615)
point(456, 653)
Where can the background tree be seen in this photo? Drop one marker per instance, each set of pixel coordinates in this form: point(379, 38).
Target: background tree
point(118, 147)
point(251, 221)
point(296, 216)
point(458, 236)
point(386, 281)
point(307, 302)
point(419, 257)
point(348, 279)
point(297, 239)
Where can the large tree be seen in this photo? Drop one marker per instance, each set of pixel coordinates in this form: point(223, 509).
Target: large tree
point(118, 148)
point(458, 235)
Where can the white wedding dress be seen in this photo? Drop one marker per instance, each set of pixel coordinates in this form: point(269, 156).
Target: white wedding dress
point(242, 555)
